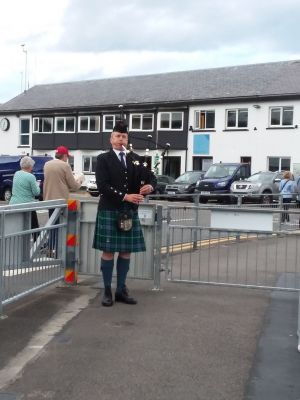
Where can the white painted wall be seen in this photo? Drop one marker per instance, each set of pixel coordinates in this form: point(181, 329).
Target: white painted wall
point(258, 144)
point(10, 139)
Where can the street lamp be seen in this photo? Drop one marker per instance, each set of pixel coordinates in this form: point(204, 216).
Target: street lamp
point(25, 72)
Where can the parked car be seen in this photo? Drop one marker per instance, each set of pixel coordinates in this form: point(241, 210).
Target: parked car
point(218, 179)
point(162, 182)
point(261, 185)
point(185, 183)
point(91, 187)
point(10, 164)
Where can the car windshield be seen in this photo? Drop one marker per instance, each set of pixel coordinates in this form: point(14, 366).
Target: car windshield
point(164, 179)
point(189, 177)
point(261, 177)
point(220, 171)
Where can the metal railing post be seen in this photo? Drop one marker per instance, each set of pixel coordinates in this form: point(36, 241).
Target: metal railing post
point(158, 244)
point(168, 243)
point(72, 242)
point(195, 233)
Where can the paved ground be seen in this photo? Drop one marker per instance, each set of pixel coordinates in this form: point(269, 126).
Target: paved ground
point(185, 342)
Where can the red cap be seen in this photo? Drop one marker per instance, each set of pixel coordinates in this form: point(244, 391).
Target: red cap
point(62, 150)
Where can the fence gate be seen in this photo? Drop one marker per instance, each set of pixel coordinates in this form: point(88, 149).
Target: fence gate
point(263, 259)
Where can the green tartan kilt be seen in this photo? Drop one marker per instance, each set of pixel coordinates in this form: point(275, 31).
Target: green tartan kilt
point(109, 238)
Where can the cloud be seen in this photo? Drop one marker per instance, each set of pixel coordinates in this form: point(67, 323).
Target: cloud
point(188, 25)
point(70, 40)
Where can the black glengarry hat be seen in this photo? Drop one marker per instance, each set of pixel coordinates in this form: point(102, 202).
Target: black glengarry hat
point(121, 127)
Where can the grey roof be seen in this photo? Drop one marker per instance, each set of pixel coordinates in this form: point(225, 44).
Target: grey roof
point(244, 81)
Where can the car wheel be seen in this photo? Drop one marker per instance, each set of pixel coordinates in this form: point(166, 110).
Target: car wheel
point(7, 194)
point(203, 200)
point(266, 198)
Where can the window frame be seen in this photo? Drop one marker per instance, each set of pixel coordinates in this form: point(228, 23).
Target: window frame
point(170, 120)
point(280, 125)
point(65, 119)
point(141, 122)
point(97, 117)
point(90, 171)
point(237, 111)
point(104, 122)
point(199, 119)
point(40, 120)
point(24, 134)
point(280, 158)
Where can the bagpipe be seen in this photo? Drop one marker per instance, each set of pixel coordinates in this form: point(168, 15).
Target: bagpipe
point(142, 161)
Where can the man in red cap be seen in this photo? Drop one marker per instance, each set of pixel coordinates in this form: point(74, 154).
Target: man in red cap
point(58, 176)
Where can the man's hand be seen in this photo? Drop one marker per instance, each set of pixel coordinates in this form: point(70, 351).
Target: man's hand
point(134, 198)
point(146, 189)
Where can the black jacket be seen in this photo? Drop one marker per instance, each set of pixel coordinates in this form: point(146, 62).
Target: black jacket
point(114, 181)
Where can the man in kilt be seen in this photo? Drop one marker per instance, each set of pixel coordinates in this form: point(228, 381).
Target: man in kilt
point(122, 181)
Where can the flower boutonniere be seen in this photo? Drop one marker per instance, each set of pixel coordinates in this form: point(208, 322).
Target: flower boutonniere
point(136, 162)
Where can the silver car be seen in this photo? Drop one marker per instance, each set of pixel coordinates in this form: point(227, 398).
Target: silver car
point(259, 187)
point(91, 187)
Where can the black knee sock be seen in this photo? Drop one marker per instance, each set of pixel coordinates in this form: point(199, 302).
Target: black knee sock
point(107, 267)
point(122, 270)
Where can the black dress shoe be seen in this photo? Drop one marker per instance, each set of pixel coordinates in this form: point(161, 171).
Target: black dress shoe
point(107, 300)
point(122, 296)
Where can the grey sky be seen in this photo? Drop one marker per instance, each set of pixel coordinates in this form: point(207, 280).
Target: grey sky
point(177, 25)
point(70, 40)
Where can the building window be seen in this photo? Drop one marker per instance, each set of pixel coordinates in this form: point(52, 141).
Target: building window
point(42, 125)
point(89, 123)
point(279, 164)
point(109, 122)
point(141, 122)
point(24, 131)
point(281, 116)
point(89, 164)
point(65, 124)
point(237, 118)
point(204, 119)
point(170, 120)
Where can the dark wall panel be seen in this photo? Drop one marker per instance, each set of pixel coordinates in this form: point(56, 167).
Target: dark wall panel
point(66, 139)
point(90, 141)
point(41, 141)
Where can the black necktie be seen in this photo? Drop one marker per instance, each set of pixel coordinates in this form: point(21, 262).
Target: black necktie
point(122, 159)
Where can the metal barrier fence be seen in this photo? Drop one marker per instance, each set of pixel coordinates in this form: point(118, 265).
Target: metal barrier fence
point(200, 214)
point(30, 258)
point(225, 252)
point(144, 265)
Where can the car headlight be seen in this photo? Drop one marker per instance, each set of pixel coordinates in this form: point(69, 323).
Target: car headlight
point(222, 184)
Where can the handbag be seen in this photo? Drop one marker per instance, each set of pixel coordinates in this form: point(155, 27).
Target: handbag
point(124, 220)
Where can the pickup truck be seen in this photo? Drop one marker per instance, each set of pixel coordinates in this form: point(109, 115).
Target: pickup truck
point(218, 179)
point(10, 164)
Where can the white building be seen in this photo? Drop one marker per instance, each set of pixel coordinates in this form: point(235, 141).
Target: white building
point(247, 113)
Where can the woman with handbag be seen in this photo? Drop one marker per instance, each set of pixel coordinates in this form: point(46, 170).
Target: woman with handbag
point(287, 188)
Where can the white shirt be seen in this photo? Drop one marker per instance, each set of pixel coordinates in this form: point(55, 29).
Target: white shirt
point(118, 155)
